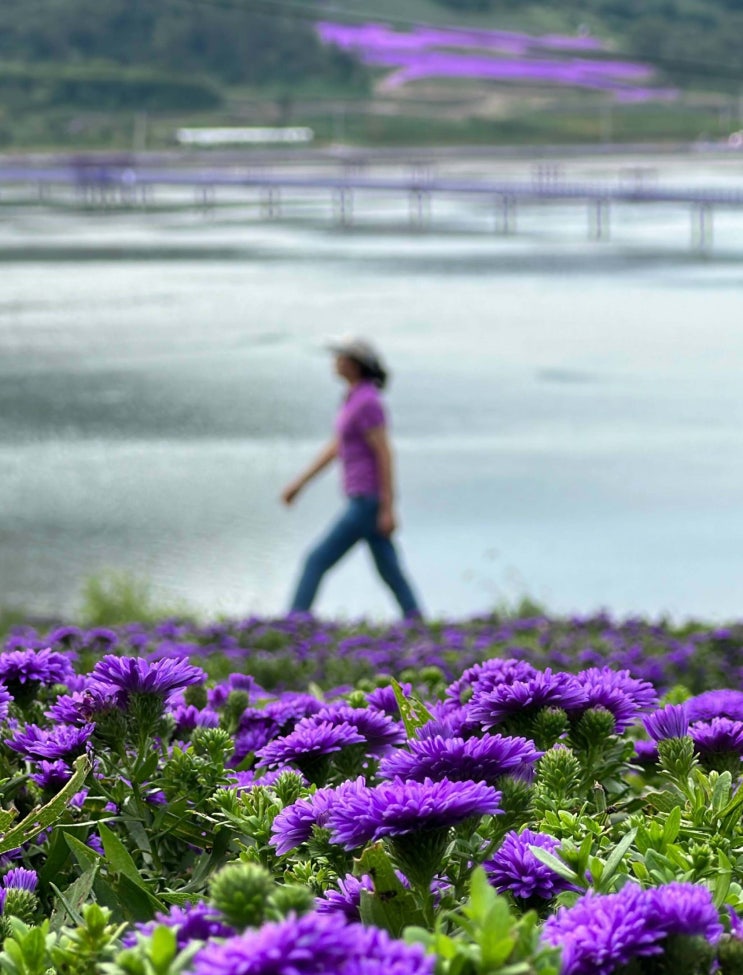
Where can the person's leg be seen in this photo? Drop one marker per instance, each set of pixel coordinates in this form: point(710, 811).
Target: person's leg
point(341, 537)
point(388, 565)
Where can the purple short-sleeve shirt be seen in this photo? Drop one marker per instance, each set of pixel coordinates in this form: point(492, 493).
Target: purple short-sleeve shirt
point(362, 411)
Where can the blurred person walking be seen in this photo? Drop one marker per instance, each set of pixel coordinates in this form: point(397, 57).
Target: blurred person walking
point(362, 445)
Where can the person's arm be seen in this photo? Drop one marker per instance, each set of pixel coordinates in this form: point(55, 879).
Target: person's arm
point(327, 456)
point(379, 442)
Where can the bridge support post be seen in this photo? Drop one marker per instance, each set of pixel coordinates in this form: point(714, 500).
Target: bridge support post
point(505, 215)
point(598, 219)
point(701, 227)
point(271, 202)
point(343, 206)
point(420, 208)
point(205, 198)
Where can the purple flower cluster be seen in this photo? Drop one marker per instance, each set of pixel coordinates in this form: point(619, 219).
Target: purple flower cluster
point(483, 759)
point(45, 667)
point(515, 868)
point(64, 741)
point(195, 922)
point(293, 825)
point(426, 52)
point(541, 690)
point(601, 933)
point(316, 944)
point(672, 721)
point(310, 739)
point(398, 808)
point(134, 675)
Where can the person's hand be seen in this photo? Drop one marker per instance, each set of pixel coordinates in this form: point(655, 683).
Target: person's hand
point(289, 493)
point(386, 523)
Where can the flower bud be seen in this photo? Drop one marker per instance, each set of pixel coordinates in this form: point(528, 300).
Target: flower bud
point(240, 892)
point(559, 775)
point(592, 728)
point(677, 757)
point(196, 696)
point(289, 898)
point(547, 726)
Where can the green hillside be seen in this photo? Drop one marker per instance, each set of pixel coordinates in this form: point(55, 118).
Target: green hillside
point(75, 71)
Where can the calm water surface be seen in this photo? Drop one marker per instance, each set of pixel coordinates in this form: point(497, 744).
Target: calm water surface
point(567, 415)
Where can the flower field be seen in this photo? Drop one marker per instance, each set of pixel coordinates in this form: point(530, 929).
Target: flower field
point(501, 795)
point(494, 56)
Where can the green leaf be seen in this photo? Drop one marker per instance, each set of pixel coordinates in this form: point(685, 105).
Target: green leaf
point(45, 816)
point(127, 899)
point(482, 896)
point(615, 858)
point(664, 801)
point(560, 868)
point(721, 791)
point(391, 906)
point(724, 877)
point(55, 860)
point(496, 938)
point(72, 899)
point(672, 826)
point(413, 711)
point(118, 858)
point(163, 948)
point(86, 858)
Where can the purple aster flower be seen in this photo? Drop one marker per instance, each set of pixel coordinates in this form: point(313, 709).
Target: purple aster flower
point(672, 721)
point(197, 922)
point(94, 842)
point(487, 676)
point(293, 825)
point(136, 675)
point(718, 735)
point(19, 878)
point(646, 752)
point(347, 899)
point(601, 933)
point(681, 908)
point(377, 953)
point(68, 637)
point(315, 944)
point(617, 692)
point(716, 704)
point(378, 730)
point(397, 808)
point(187, 717)
point(483, 759)
point(514, 867)
point(290, 708)
point(51, 775)
point(736, 924)
point(45, 667)
point(5, 700)
point(64, 741)
point(312, 741)
point(383, 699)
point(78, 707)
point(449, 722)
point(546, 689)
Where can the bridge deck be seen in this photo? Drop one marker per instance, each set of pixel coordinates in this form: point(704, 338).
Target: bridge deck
point(536, 190)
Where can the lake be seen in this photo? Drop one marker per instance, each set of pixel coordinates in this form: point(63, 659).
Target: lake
point(566, 414)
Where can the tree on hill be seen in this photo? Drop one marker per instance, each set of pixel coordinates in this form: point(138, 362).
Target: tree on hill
point(230, 44)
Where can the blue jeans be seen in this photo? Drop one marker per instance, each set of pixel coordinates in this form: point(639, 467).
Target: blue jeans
point(358, 521)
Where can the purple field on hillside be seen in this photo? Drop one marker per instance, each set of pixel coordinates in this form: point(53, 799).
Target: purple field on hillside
point(427, 52)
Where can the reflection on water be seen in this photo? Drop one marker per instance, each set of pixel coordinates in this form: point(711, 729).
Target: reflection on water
point(566, 415)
